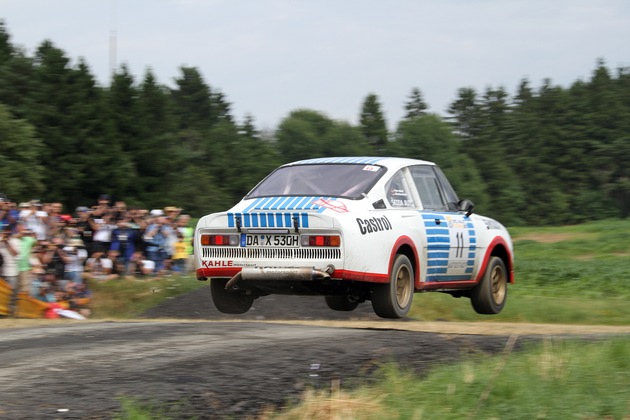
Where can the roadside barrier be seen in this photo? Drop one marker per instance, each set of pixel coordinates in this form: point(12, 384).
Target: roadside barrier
point(29, 307)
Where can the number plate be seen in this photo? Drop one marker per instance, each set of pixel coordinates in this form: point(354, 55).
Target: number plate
point(270, 241)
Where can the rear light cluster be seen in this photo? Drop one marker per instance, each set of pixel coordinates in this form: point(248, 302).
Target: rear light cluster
point(220, 240)
point(305, 240)
point(320, 240)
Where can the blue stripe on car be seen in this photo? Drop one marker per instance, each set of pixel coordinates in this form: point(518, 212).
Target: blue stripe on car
point(276, 219)
point(439, 244)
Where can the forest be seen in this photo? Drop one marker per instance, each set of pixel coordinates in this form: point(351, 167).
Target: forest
point(550, 155)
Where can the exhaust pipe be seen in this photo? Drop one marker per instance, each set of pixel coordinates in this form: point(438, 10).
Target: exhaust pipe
point(281, 273)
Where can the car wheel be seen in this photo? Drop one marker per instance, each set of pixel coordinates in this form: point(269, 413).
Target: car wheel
point(227, 301)
point(393, 299)
point(341, 303)
point(489, 296)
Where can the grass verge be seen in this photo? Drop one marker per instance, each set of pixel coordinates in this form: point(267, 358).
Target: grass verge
point(127, 298)
point(558, 379)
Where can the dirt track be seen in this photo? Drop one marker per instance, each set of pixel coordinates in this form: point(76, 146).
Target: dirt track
point(218, 369)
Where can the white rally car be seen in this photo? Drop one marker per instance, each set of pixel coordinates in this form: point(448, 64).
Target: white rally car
point(354, 229)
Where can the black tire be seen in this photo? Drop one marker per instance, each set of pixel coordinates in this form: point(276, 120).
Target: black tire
point(341, 303)
point(394, 299)
point(489, 296)
point(227, 301)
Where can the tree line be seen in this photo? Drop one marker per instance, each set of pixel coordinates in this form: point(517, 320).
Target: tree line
point(551, 155)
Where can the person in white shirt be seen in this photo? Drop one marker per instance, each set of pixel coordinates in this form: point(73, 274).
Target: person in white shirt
point(99, 267)
point(140, 266)
point(10, 251)
point(77, 255)
point(35, 219)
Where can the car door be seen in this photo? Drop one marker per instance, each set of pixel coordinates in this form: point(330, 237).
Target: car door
point(451, 238)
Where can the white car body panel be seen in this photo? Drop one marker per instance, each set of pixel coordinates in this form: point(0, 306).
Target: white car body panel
point(369, 235)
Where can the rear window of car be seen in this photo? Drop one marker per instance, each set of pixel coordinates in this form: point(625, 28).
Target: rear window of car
point(330, 180)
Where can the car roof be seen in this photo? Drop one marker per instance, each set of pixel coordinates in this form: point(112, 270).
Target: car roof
point(388, 162)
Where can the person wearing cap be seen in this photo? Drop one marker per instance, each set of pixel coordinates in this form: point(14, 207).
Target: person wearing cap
point(172, 212)
point(36, 219)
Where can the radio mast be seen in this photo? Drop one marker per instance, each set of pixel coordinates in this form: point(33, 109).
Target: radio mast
point(112, 42)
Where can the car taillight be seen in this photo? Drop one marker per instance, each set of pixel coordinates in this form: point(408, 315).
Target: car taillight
point(321, 240)
point(220, 240)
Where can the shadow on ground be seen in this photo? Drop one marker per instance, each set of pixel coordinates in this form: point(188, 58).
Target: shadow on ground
point(198, 305)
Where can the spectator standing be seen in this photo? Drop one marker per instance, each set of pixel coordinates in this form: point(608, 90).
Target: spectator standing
point(83, 225)
point(180, 254)
point(59, 242)
point(123, 242)
point(119, 211)
point(54, 259)
point(102, 207)
point(172, 213)
point(35, 218)
point(10, 252)
point(9, 215)
point(55, 221)
point(157, 239)
point(27, 242)
point(103, 227)
point(77, 255)
point(183, 227)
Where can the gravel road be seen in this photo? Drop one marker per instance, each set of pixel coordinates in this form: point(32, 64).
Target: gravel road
point(201, 365)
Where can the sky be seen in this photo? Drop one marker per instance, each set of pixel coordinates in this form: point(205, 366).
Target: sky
point(270, 57)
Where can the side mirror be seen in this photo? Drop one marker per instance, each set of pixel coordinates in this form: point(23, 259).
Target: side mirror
point(466, 206)
point(380, 204)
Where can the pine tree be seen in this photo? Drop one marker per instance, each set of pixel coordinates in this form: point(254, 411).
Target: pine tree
point(6, 48)
point(465, 111)
point(21, 175)
point(373, 124)
point(415, 106)
point(51, 108)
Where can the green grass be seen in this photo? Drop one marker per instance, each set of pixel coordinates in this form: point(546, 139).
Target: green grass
point(554, 380)
point(522, 306)
point(127, 298)
point(134, 409)
point(570, 274)
point(589, 260)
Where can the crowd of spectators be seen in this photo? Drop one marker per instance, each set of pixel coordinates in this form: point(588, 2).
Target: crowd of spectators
point(49, 254)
